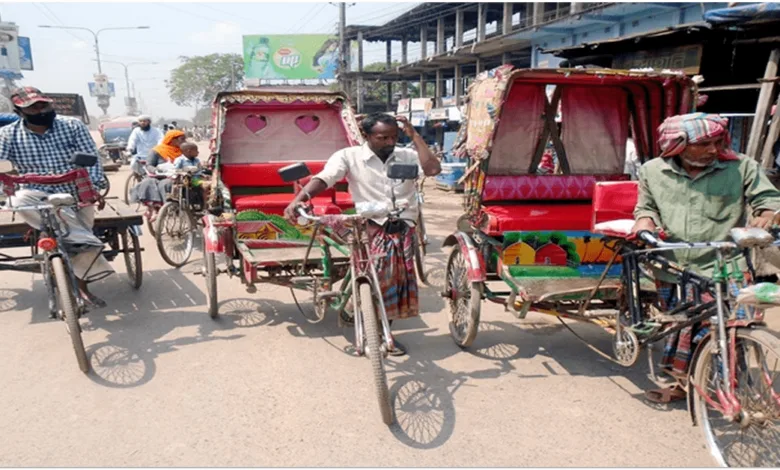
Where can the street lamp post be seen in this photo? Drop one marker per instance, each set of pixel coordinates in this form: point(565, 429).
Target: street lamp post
point(127, 75)
point(97, 47)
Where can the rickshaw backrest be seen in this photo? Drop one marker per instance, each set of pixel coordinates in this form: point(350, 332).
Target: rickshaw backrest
point(261, 174)
point(543, 187)
point(614, 201)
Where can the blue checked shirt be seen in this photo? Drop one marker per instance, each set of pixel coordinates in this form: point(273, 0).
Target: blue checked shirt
point(50, 153)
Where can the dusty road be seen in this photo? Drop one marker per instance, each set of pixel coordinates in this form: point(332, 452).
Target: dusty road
point(262, 387)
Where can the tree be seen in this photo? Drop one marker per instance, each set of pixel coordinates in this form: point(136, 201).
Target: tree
point(198, 79)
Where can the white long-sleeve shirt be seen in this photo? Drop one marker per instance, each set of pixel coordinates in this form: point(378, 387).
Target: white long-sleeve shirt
point(143, 141)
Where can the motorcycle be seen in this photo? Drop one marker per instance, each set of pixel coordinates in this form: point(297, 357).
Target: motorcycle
point(115, 151)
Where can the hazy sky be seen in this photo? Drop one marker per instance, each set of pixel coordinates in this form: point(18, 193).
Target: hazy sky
point(64, 59)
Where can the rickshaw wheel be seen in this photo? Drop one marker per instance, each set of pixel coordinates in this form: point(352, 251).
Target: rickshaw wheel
point(625, 345)
point(374, 348)
point(751, 439)
point(465, 300)
point(68, 306)
point(167, 227)
point(210, 265)
point(104, 192)
point(131, 248)
point(132, 180)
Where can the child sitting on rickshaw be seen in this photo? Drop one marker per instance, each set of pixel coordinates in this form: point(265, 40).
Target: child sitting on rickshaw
point(189, 159)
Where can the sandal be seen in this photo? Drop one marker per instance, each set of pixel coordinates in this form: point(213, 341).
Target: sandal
point(666, 395)
point(93, 300)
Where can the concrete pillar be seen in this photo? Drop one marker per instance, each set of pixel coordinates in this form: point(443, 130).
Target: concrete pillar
point(439, 89)
point(359, 91)
point(440, 44)
point(423, 42)
point(480, 66)
point(481, 21)
point(404, 61)
point(504, 58)
point(388, 62)
point(458, 28)
point(423, 85)
point(538, 13)
point(506, 23)
point(458, 85)
point(575, 7)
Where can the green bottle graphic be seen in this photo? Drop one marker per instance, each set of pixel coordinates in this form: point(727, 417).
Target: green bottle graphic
point(261, 59)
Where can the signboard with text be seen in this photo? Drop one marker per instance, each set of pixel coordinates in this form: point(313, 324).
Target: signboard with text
point(291, 57)
point(684, 58)
point(9, 50)
point(25, 53)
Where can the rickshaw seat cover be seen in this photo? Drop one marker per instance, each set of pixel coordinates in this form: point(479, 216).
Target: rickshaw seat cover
point(613, 201)
point(543, 187)
point(535, 216)
point(276, 203)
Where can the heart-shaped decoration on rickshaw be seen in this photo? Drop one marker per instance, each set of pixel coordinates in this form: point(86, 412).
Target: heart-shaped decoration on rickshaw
point(307, 124)
point(256, 123)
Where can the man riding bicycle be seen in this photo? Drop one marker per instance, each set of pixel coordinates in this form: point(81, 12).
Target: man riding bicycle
point(697, 191)
point(365, 168)
point(43, 143)
point(143, 139)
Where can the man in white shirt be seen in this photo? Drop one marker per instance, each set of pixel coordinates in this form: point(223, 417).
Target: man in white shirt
point(365, 168)
point(142, 140)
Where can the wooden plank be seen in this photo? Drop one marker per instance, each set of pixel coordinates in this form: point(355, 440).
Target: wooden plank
point(762, 109)
point(748, 86)
point(767, 158)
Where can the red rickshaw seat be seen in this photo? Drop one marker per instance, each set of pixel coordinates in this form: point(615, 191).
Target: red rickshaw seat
point(276, 203)
point(613, 207)
point(530, 217)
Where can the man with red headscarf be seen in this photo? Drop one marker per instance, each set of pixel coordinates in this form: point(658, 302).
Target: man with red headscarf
point(697, 191)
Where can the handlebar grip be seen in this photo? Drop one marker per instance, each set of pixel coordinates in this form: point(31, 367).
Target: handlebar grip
point(647, 237)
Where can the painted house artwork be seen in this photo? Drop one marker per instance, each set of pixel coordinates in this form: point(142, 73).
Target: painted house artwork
point(556, 254)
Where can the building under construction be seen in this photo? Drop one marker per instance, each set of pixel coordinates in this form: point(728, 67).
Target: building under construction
point(443, 46)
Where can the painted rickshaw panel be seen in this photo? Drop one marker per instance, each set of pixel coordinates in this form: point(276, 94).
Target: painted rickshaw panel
point(543, 223)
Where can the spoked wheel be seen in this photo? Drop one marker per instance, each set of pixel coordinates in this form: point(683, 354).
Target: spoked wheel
point(419, 254)
point(175, 234)
point(465, 300)
point(69, 312)
point(753, 438)
point(104, 191)
point(132, 180)
point(210, 266)
point(374, 351)
point(132, 253)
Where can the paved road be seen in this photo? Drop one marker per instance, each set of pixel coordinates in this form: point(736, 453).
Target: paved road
point(260, 386)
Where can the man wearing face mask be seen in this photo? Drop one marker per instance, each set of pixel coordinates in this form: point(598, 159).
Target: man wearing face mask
point(365, 168)
point(43, 143)
point(697, 191)
point(142, 140)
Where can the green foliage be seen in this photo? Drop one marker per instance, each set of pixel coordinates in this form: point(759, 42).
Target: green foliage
point(198, 79)
point(377, 91)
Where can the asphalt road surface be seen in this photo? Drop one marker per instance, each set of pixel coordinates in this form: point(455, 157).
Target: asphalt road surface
point(261, 386)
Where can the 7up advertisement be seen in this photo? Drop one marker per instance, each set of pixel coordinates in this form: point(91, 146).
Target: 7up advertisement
point(294, 57)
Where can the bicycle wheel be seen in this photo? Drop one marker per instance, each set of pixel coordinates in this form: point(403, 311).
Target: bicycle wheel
point(465, 300)
point(211, 283)
point(104, 191)
point(132, 180)
point(175, 234)
point(374, 351)
point(752, 439)
point(419, 263)
point(133, 261)
point(68, 307)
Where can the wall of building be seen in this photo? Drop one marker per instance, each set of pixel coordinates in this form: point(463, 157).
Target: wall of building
point(630, 25)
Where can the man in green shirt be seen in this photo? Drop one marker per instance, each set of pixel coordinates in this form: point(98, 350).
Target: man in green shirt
point(697, 191)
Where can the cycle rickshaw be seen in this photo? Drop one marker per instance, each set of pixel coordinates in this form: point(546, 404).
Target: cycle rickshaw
point(557, 242)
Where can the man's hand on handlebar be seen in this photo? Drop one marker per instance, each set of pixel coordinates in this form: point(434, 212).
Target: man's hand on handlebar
point(644, 224)
point(765, 220)
point(291, 211)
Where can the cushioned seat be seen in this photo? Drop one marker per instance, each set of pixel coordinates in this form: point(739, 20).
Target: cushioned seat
point(530, 217)
point(276, 203)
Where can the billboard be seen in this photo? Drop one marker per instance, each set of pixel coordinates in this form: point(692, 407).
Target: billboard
point(25, 54)
point(291, 57)
point(101, 86)
point(9, 50)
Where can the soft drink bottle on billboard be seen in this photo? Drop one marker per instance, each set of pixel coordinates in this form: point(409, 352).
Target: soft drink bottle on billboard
point(261, 66)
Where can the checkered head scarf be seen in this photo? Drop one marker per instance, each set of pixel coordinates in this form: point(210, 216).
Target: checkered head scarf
point(677, 132)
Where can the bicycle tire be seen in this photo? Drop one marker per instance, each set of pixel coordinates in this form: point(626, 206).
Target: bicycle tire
point(211, 284)
point(71, 317)
point(169, 210)
point(131, 248)
point(374, 351)
point(474, 291)
point(701, 375)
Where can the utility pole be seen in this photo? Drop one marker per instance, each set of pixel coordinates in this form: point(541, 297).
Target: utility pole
point(343, 45)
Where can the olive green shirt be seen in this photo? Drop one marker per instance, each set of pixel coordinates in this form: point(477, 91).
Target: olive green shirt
point(703, 208)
